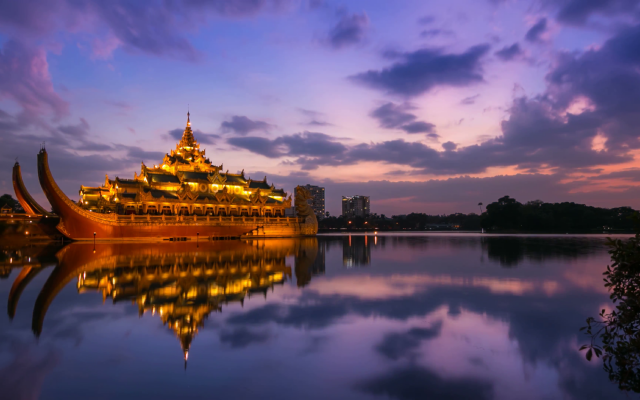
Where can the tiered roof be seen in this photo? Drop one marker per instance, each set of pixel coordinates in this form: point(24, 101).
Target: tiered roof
point(185, 166)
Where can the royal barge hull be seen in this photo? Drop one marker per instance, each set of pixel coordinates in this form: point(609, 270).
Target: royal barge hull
point(80, 224)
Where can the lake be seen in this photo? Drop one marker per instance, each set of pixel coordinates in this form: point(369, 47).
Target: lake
point(401, 316)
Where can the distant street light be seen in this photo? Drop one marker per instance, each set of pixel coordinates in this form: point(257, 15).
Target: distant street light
point(480, 205)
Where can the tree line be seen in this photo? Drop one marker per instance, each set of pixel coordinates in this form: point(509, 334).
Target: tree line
point(505, 215)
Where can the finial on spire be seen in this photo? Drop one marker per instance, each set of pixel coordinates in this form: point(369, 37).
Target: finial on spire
point(188, 118)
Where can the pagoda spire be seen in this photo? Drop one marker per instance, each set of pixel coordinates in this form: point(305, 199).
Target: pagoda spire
point(187, 136)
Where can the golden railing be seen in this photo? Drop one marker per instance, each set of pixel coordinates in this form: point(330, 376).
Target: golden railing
point(202, 219)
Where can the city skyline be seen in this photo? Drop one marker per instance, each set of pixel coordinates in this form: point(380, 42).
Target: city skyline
point(425, 107)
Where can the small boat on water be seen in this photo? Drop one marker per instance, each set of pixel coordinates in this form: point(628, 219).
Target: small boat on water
point(184, 197)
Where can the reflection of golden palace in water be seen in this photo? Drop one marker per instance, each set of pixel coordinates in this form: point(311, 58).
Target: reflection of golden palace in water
point(181, 282)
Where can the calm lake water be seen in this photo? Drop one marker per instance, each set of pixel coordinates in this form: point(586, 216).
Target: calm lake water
point(338, 317)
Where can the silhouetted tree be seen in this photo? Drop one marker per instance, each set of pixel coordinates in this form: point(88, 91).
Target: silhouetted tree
point(615, 335)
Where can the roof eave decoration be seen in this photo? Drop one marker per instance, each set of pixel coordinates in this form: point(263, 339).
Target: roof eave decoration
point(217, 178)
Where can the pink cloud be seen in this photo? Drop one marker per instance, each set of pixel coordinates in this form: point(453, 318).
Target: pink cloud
point(25, 78)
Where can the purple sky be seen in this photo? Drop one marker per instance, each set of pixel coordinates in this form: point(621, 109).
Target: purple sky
point(426, 106)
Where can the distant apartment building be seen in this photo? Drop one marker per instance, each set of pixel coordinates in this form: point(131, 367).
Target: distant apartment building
point(317, 202)
point(355, 206)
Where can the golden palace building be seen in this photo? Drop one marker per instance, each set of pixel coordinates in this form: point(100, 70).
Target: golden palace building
point(185, 196)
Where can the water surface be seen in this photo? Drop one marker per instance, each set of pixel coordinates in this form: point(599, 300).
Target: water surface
point(440, 316)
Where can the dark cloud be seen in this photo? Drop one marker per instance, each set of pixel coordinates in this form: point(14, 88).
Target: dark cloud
point(77, 131)
point(318, 123)
point(137, 153)
point(469, 100)
point(307, 316)
point(420, 71)
point(393, 116)
point(92, 146)
point(426, 20)
point(632, 174)
point(350, 30)
point(414, 382)
point(242, 337)
point(430, 33)
point(313, 145)
point(258, 145)
point(449, 146)
point(418, 127)
point(398, 345)
point(534, 33)
point(576, 12)
point(509, 53)
point(608, 78)
point(242, 125)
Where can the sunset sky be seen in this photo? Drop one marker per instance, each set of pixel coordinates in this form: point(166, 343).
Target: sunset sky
point(426, 106)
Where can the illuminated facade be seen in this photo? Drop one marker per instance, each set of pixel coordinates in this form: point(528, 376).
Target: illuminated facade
point(186, 183)
point(355, 206)
point(184, 198)
point(317, 200)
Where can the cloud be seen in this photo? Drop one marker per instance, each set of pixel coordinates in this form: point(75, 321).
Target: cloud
point(315, 118)
point(414, 382)
point(606, 81)
point(576, 12)
point(632, 174)
point(509, 53)
point(430, 33)
point(393, 116)
point(25, 79)
point(402, 344)
point(312, 145)
point(137, 153)
point(242, 337)
point(420, 71)
point(155, 27)
point(242, 125)
point(418, 127)
point(426, 20)
point(350, 30)
point(535, 134)
point(535, 32)
point(258, 145)
point(449, 146)
point(77, 131)
point(469, 100)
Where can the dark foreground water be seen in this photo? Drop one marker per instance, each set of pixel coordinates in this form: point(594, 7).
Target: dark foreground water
point(337, 317)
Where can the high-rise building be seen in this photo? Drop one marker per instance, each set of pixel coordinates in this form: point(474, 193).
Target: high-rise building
point(355, 206)
point(317, 202)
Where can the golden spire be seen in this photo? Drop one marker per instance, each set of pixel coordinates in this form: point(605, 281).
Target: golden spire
point(187, 136)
